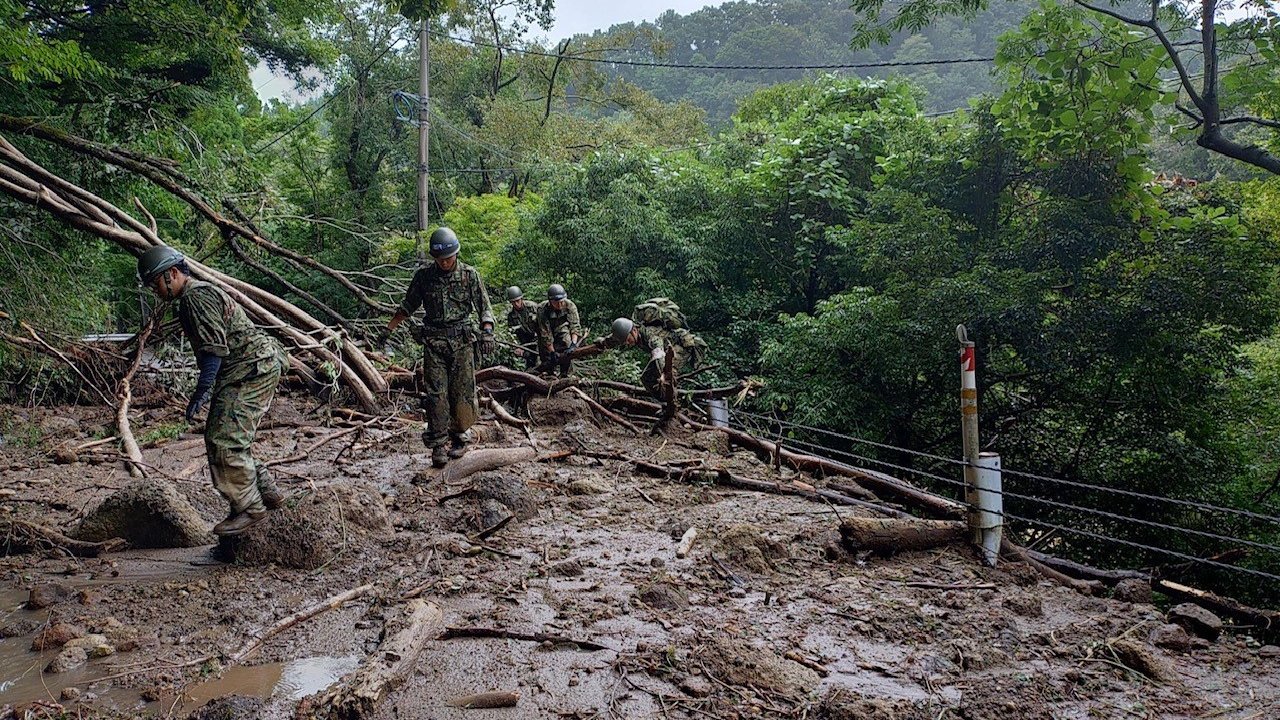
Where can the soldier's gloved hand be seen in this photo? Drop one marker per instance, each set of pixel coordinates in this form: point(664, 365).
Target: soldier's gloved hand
point(198, 401)
point(488, 345)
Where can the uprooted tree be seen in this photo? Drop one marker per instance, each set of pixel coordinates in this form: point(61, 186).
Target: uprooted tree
point(333, 351)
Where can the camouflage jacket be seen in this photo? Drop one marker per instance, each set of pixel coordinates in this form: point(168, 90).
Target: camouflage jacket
point(215, 324)
point(447, 299)
point(524, 322)
point(558, 324)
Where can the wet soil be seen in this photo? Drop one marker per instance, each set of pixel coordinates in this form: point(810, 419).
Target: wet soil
point(758, 621)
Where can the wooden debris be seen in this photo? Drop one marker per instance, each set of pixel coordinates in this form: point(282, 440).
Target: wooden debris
point(603, 411)
point(480, 461)
point(336, 601)
point(886, 536)
point(484, 632)
point(686, 542)
point(494, 699)
point(386, 669)
point(18, 536)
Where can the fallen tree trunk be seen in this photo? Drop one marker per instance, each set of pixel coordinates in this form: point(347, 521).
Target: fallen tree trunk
point(28, 182)
point(1084, 572)
point(386, 669)
point(20, 536)
point(886, 536)
point(1019, 553)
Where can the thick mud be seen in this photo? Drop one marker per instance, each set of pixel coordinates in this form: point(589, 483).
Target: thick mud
point(762, 619)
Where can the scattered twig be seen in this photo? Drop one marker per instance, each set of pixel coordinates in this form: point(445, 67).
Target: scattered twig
point(483, 632)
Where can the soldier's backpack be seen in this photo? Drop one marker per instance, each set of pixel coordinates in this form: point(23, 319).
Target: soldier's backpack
point(660, 312)
point(694, 345)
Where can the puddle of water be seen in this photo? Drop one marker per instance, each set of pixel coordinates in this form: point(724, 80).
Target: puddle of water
point(293, 680)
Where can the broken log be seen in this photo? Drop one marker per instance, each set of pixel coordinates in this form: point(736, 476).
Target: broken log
point(1266, 623)
point(886, 536)
point(502, 414)
point(686, 542)
point(484, 700)
point(386, 669)
point(259, 640)
point(124, 395)
point(484, 632)
point(19, 536)
point(1017, 552)
point(1084, 572)
point(603, 411)
point(479, 461)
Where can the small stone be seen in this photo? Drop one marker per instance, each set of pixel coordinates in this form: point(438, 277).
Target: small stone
point(68, 659)
point(696, 686)
point(590, 486)
point(657, 562)
point(84, 597)
point(48, 594)
point(56, 635)
point(70, 694)
point(65, 456)
point(151, 694)
point(1136, 655)
point(567, 568)
point(1171, 637)
point(737, 593)
point(1196, 620)
point(1269, 651)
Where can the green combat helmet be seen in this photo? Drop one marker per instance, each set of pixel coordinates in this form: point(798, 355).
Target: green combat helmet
point(556, 292)
point(155, 261)
point(444, 243)
point(514, 293)
point(621, 329)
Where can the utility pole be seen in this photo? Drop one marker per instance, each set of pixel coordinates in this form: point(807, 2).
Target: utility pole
point(424, 126)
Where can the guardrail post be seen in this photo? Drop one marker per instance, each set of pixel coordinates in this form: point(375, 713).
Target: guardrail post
point(991, 506)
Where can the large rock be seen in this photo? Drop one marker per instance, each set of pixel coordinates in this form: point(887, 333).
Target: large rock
point(56, 635)
point(557, 410)
point(48, 594)
point(149, 513)
point(1171, 637)
point(312, 529)
point(1197, 620)
point(68, 659)
point(1133, 590)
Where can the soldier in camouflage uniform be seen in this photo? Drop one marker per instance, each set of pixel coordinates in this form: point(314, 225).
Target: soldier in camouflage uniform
point(449, 291)
point(522, 318)
point(240, 366)
point(654, 339)
point(559, 329)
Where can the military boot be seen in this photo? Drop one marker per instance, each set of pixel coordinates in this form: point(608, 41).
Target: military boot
point(271, 495)
point(439, 456)
point(457, 446)
point(238, 523)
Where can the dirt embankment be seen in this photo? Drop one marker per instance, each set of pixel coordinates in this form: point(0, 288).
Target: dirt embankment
point(575, 601)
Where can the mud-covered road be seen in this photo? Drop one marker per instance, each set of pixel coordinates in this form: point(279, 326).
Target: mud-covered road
point(765, 617)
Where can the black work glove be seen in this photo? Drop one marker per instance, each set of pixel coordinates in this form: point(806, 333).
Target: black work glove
point(488, 345)
point(197, 402)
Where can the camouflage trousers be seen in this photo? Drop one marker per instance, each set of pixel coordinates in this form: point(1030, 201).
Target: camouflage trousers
point(234, 414)
point(449, 373)
point(651, 378)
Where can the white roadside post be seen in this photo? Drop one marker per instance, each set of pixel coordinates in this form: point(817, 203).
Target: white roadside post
point(982, 470)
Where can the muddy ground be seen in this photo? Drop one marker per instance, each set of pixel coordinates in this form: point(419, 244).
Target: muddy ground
point(764, 618)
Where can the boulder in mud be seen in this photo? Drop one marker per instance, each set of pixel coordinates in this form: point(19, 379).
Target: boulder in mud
point(748, 547)
point(49, 594)
point(18, 627)
point(510, 490)
point(94, 644)
point(1139, 657)
point(661, 594)
point(590, 486)
point(69, 659)
point(56, 635)
point(312, 529)
point(230, 707)
point(737, 662)
point(1133, 591)
point(1171, 637)
point(148, 513)
point(1196, 620)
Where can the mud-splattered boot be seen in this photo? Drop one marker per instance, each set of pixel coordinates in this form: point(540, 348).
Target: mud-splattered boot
point(439, 456)
point(457, 446)
point(271, 495)
point(237, 524)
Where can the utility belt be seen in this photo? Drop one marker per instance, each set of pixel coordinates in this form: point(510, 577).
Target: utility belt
point(461, 329)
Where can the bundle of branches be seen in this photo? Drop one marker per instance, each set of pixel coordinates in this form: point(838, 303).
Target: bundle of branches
point(30, 183)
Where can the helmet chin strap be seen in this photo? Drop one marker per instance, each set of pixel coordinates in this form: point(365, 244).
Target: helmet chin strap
point(168, 289)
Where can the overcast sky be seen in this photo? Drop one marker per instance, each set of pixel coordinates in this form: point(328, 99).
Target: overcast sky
point(572, 17)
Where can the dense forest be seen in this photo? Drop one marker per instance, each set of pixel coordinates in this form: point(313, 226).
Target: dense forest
point(824, 232)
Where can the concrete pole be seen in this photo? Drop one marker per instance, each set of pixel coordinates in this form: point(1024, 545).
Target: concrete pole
point(991, 504)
